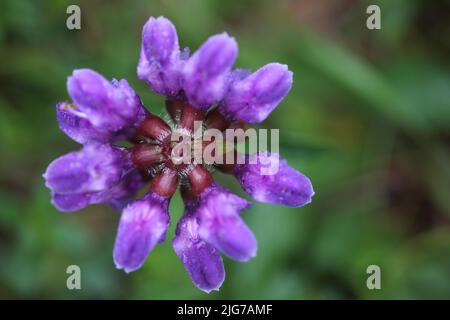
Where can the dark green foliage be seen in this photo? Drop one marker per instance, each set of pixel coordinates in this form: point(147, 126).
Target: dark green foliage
point(367, 120)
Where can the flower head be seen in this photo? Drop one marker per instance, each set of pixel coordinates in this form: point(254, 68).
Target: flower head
point(203, 89)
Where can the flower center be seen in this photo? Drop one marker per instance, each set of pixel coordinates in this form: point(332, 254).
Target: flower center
point(171, 153)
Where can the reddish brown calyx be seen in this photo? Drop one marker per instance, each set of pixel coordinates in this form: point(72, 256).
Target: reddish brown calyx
point(155, 128)
point(145, 156)
point(174, 108)
point(188, 117)
point(167, 157)
point(239, 129)
point(228, 162)
point(215, 120)
point(165, 183)
point(199, 178)
point(184, 114)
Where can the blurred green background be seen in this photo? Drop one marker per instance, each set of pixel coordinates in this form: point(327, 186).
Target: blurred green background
point(367, 120)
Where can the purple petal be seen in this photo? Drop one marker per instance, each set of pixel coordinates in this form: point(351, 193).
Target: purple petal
point(159, 62)
point(79, 129)
point(70, 202)
point(252, 98)
point(121, 194)
point(201, 260)
point(108, 106)
point(92, 175)
point(268, 178)
point(206, 73)
point(142, 225)
point(93, 168)
point(184, 55)
point(160, 40)
point(239, 74)
point(221, 225)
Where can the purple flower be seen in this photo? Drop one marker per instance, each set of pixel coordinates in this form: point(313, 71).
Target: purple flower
point(212, 224)
point(142, 225)
point(101, 111)
point(251, 98)
point(160, 61)
point(203, 78)
point(220, 224)
point(206, 73)
point(202, 87)
point(201, 260)
point(95, 174)
point(268, 178)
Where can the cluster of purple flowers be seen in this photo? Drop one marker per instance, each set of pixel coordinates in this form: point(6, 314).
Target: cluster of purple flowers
point(202, 86)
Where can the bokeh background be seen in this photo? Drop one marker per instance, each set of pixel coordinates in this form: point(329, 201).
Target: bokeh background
point(367, 119)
